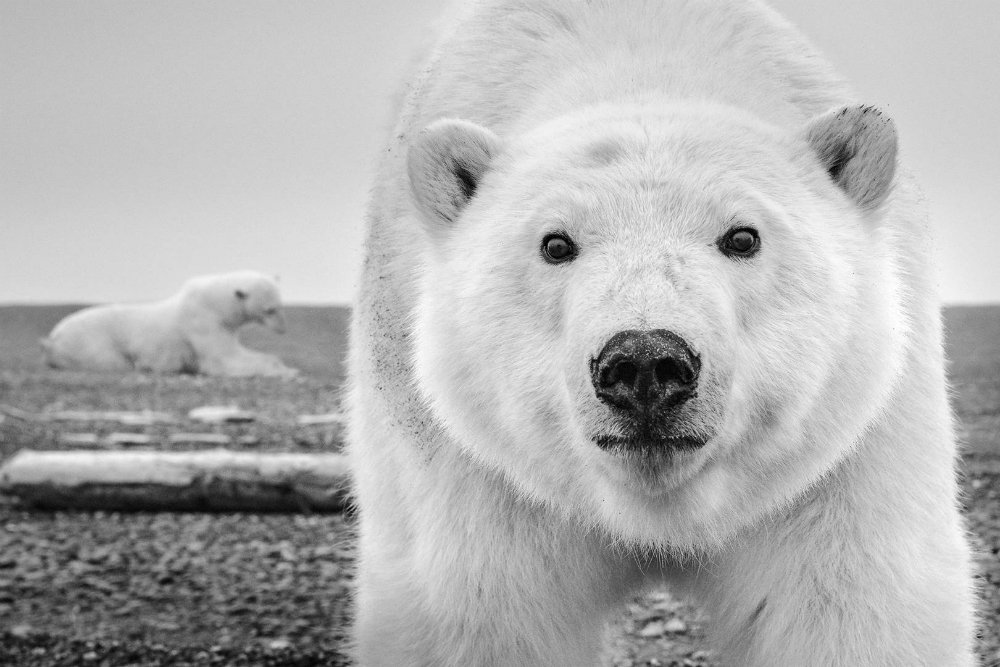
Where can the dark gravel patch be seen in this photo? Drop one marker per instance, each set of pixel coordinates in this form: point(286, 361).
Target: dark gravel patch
point(207, 589)
point(43, 650)
point(119, 589)
point(231, 581)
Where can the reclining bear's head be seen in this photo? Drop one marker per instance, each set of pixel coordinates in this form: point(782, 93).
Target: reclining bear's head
point(645, 315)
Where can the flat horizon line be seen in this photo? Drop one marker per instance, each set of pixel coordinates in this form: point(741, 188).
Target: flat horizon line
point(329, 304)
point(52, 304)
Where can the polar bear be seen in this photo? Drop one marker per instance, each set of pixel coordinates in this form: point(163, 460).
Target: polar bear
point(193, 331)
point(648, 300)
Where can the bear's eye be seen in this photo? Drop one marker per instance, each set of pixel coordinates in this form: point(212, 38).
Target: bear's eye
point(739, 242)
point(557, 248)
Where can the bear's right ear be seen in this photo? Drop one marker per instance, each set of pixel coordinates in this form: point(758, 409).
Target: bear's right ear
point(445, 164)
point(857, 145)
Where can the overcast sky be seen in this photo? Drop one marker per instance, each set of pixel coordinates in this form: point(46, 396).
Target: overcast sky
point(146, 141)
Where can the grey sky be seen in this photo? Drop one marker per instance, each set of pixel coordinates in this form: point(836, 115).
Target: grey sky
point(145, 141)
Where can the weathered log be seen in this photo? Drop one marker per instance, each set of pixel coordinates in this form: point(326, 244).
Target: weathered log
point(213, 481)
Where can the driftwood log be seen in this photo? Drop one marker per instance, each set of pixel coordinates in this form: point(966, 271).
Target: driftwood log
point(214, 481)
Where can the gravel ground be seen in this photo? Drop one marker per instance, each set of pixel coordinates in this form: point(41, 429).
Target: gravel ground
point(118, 589)
point(191, 589)
point(276, 403)
point(205, 585)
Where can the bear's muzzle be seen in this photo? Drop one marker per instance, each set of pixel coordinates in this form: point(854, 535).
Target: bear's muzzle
point(645, 376)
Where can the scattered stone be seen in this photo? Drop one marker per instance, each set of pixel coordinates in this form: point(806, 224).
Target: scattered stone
point(664, 603)
point(145, 418)
point(217, 414)
point(200, 439)
point(314, 420)
point(653, 629)
point(675, 626)
point(130, 418)
point(129, 439)
point(22, 630)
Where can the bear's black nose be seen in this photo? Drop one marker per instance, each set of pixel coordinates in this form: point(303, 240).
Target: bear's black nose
point(645, 372)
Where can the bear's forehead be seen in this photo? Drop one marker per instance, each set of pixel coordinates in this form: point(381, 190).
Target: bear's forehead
point(642, 208)
point(695, 166)
point(708, 140)
point(637, 185)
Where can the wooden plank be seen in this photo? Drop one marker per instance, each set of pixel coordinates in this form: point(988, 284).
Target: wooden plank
point(216, 480)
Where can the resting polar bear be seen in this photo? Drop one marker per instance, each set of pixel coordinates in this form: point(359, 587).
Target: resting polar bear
point(193, 331)
point(645, 301)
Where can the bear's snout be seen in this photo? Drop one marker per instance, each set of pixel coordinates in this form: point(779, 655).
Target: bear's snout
point(645, 373)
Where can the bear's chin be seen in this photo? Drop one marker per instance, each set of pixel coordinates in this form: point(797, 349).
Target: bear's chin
point(652, 467)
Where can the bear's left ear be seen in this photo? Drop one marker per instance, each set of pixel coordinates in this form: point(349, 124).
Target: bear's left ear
point(857, 145)
point(240, 294)
point(445, 164)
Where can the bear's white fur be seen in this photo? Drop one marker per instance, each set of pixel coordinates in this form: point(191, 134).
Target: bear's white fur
point(805, 493)
point(193, 331)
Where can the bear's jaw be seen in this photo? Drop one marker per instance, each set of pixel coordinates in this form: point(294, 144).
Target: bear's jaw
point(660, 446)
point(653, 471)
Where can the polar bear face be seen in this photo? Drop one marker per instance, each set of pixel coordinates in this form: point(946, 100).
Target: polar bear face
point(658, 318)
point(260, 302)
point(234, 299)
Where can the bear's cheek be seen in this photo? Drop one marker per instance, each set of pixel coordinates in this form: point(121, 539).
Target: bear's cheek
point(789, 320)
point(489, 329)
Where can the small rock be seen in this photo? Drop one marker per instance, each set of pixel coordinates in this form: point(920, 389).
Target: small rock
point(321, 551)
point(312, 420)
point(129, 439)
point(145, 418)
point(666, 604)
point(675, 626)
point(22, 630)
point(140, 418)
point(214, 414)
point(200, 439)
point(279, 644)
point(653, 629)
